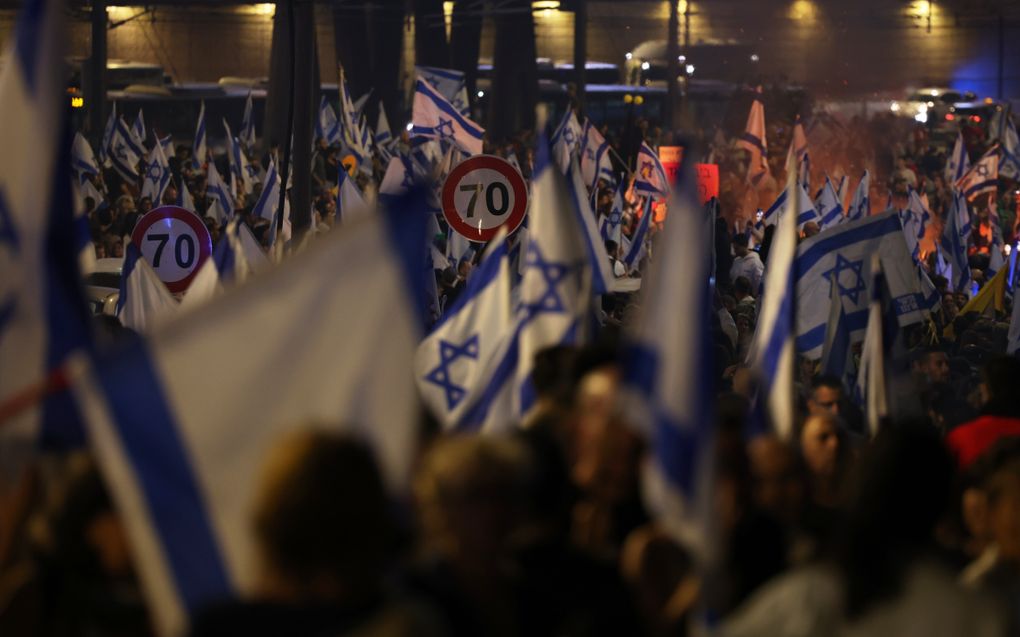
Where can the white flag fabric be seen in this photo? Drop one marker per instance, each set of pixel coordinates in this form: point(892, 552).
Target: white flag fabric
point(650, 177)
point(1009, 149)
point(350, 122)
point(860, 205)
point(105, 144)
point(144, 300)
point(595, 161)
point(327, 125)
point(247, 132)
point(268, 205)
point(798, 153)
point(668, 374)
point(958, 163)
point(953, 244)
point(806, 209)
point(156, 177)
point(566, 140)
point(982, 177)
point(350, 204)
point(612, 226)
point(181, 454)
point(602, 279)
point(83, 161)
point(219, 196)
point(227, 265)
point(840, 256)
point(138, 132)
point(828, 206)
point(915, 220)
point(870, 390)
point(199, 150)
point(435, 118)
point(455, 363)
point(753, 141)
point(398, 178)
point(383, 135)
point(773, 350)
point(43, 317)
point(238, 160)
point(184, 198)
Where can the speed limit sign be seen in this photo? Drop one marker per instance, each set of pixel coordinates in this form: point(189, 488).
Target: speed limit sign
point(482, 194)
point(175, 242)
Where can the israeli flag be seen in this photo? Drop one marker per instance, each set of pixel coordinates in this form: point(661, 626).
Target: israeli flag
point(268, 205)
point(566, 140)
point(953, 245)
point(228, 265)
point(182, 455)
point(837, 357)
point(554, 299)
point(87, 189)
point(351, 131)
point(982, 177)
point(595, 161)
point(860, 206)
point(105, 145)
point(636, 249)
point(247, 132)
point(841, 189)
point(399, 176)
point(450, 83)
point(144, 301)
point(83, 161)
point(840, 257)
point(124, 155)
point(650, 178)
point(221, 203)
point(43, 317)
point(455, 363)
point(612, 227)
point(798, 153)
point(383, 135)
point(239, 165)
point(167, 144)
point(157, 175)
point(138, 129)
point(435, 118)
point(915, 221)
point(870, 388)
point(327, 126)
point(958, 163)
point(199, 150)
point(828, 206)
point(753, 141)
point(996, 260)
point(350, 204)
point(668, 376)
point(1009, 149)
point(184, 198)
point(602, 280)
point(773, 350)
point(806, 209)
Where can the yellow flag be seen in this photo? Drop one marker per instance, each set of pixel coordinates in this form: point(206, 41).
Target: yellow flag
point(987, 301)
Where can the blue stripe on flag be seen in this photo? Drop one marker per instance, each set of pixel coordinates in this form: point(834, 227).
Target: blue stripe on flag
point(807, 260)
point(816, 336)
point(445, 106)
point(755, 141)
point(151, 443)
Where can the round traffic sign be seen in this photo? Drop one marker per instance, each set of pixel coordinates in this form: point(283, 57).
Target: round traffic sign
point(175, 242)
point(482, 194)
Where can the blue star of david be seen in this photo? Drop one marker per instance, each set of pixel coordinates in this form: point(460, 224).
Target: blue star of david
point(834, 275)
point(553, 273)
point(440, 374)
point(614, 217)
point(591, 154)
point(982, 170)
point(445, 128)
point(568, 135)
point(252, 170)
point(155, 172)
point(120, 150)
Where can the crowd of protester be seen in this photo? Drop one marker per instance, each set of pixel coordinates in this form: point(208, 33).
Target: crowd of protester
point(544, 531)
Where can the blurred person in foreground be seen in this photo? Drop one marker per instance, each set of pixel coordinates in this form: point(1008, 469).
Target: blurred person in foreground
point(325, 538)
point(1000, 412)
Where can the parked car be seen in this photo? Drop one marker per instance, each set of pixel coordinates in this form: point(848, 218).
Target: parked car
point(102, 286)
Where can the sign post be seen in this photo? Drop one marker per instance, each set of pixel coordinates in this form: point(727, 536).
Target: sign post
point(175, 242)
point(482, 194)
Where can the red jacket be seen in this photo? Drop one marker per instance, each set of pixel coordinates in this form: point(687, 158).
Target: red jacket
point(970, 440)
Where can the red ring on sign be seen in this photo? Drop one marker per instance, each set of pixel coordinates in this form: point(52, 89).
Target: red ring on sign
point(193, 221)
point(503, 167)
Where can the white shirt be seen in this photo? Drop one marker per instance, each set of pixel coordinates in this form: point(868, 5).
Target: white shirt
point(750, 266)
